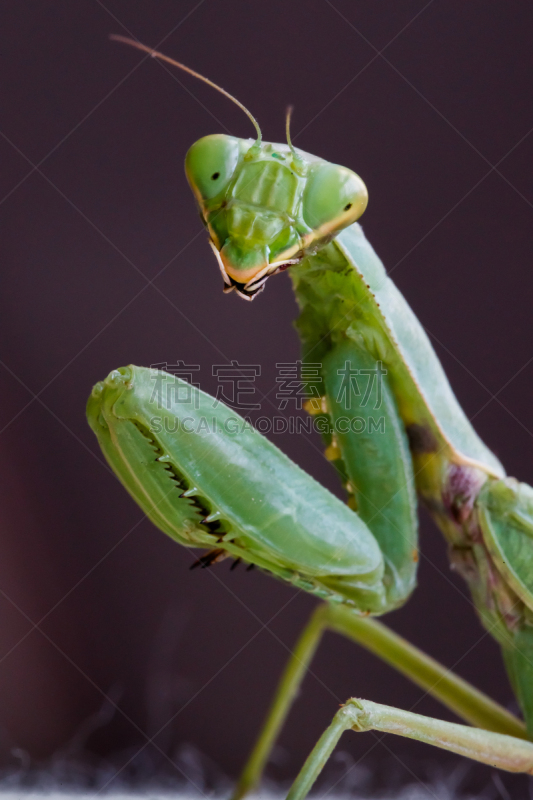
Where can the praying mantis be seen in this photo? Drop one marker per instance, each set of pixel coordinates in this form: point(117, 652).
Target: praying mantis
point(206, 478)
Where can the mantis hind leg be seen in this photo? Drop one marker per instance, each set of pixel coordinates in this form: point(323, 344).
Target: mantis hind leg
point(286, 692)
point(455, 693)
point(495, 749)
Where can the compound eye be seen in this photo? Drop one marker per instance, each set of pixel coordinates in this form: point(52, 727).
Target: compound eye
point(334, 197)
point(210, 164)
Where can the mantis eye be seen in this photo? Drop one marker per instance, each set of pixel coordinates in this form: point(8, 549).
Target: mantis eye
point(210, 164)
point(334, 197)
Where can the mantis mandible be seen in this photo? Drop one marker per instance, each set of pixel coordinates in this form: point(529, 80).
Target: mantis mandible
point(208, 480)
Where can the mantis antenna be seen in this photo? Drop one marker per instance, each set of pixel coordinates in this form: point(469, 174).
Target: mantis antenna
point(155, 54)
point(299, 163)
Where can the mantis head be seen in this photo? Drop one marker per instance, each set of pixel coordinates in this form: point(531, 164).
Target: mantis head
point(265, 206)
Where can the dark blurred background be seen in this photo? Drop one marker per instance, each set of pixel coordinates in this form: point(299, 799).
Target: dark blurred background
point(105, 263)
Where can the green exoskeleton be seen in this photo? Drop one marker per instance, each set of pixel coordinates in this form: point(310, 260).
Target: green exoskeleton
point(207, 479)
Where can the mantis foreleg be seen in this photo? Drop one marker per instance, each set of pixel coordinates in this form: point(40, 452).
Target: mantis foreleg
point(371, 447)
